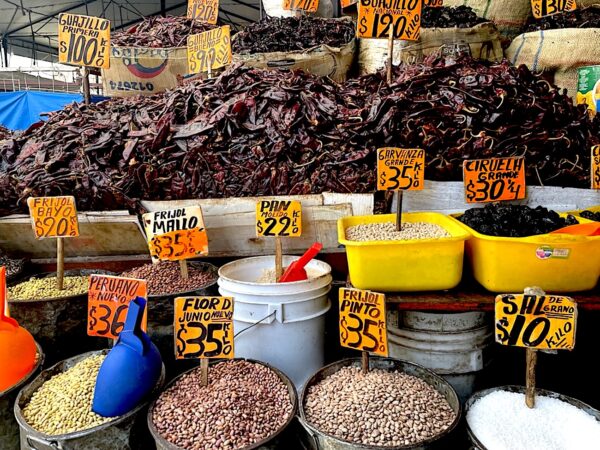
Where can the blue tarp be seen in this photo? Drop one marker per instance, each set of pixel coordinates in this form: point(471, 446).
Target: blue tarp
point(20, 109)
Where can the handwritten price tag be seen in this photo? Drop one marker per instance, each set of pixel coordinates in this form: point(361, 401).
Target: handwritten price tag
point(302, 5)
point(595, 168)
point(83, 40)
point(53, 216)
point(541, 8)
point(176, 234)
point(400, 169)
point(203, 327)
point(211, 49)
point(434, 3)
point(362, 321)
point(108, 302)
point(279, 218)
point(206, 11)
point(536, 321)
point(495, 179)
point(377, 18)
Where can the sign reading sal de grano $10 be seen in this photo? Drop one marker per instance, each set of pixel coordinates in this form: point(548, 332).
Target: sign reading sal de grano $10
point(377, 18)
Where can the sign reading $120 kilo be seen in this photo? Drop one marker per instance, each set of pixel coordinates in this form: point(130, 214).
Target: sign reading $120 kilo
point(83, 40)
point(206, 11)
point(362, 321)
point(536, 321)
point(377, 17)
point(203, 327)
point(53, 216)
point(302, 5)
point(279, 218)
point(494, 179)
point(209, 50)
point(541, 8)
point(400, 169)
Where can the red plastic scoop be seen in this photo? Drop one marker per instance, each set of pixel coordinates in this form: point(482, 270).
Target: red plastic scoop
point(296, 271)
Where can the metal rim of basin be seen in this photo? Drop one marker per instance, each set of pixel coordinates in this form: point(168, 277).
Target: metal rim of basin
point(282, 376)
point(81, 433)
point(204, 266)
point(521, 390)
point(72, 272)
point(318, 376)
point(25, 379)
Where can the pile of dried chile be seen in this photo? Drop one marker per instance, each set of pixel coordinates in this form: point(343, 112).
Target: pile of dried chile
point(580, 18)
point(285, 34)
point(450, 17)
point(497, 219)
point(591, 215)
point(159, 32)
point(5, 133)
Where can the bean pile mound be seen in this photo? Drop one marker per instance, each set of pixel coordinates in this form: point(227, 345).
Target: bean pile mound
point(63, 404)
point(13, 266)
point(387, 232)
point(377, 408)
point(243, 403)
point(285, 34)
point(165, 277)
point(580, 18)
point(38, 288)
point(496, 219)
point(449, 17)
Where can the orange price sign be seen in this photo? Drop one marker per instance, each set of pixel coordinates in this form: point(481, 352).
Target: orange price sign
point(176, 234)
point(494, 179)
point(279, 218)
point(376, 18)
point(362, 321)
point(542, 8)
point(209, 50)
point(302, 5)
point(108, 302)
point(83, 40)
point(203, 327)
point(434, 3)
point(348, 3)
point(206, 11)
point(595, 167)
point(53, 216)
point(400, 169)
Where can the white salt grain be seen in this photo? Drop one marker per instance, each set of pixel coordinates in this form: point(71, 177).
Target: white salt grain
point(502, 421)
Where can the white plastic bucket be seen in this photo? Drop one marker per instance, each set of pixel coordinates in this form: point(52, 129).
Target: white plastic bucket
point(282, 324)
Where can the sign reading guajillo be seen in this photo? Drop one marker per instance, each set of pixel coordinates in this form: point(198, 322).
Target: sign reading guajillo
point(379, 18)
point(83, 40)
point(209, 50)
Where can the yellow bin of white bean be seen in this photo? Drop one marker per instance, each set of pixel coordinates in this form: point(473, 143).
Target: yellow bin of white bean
point(427, 255)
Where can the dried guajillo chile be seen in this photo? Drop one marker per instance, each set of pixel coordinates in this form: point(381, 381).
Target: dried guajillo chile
point(159, 32)
point(284, 34)
point(580, 18)
point(448, 17)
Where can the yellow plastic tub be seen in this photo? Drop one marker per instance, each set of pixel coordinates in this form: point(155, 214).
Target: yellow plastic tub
point(557, 263)
point(577, 213)
point(405, 266)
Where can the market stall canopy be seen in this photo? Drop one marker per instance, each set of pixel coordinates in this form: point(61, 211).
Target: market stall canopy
point(29, 28)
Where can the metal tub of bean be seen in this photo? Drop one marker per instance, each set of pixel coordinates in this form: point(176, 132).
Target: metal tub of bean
point(395, 405)
point(427, 254)
point(165, 283)
point(56, 318)
point(246, 405)
point(499, 418)
point(54, 411)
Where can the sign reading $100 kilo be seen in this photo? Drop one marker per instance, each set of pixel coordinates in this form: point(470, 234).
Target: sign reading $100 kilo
point(209, 50)
point(377, 18)
point(494, 179)
point(541, 8)
point(279, 218)
point(176, 234)
point(203, 327)
point(83, 40)
point(536, 321)
point(400, 169)
point(362, 321)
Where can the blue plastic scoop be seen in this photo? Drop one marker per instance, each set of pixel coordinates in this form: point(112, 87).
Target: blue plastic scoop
point(131, 369)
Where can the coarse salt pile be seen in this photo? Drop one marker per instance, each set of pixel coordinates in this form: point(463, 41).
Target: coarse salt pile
point(502, 421)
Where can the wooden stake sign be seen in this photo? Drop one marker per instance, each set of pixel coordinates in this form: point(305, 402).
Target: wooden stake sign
point(495, 179)
point(542, 8)
point(362, 322)
point(397, 19)
point(209, 50)
point(595, 167)
point(203, 328)
point(310, 6)
point(206, 11)
point(108, 302)
point(54, 217)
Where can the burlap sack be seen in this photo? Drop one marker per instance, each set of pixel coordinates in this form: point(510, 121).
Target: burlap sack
point(483, 40)
point(508, 15)
point(558, 53)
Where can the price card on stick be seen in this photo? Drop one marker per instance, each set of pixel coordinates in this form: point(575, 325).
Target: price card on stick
point(108, 302)
point(390, 19)
point(83, 40)
point(542, 8)
point(203, 328)
point(209, 50)
point(206, 11)
point(595, 167)
point(494, 179)
point(302, 5)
